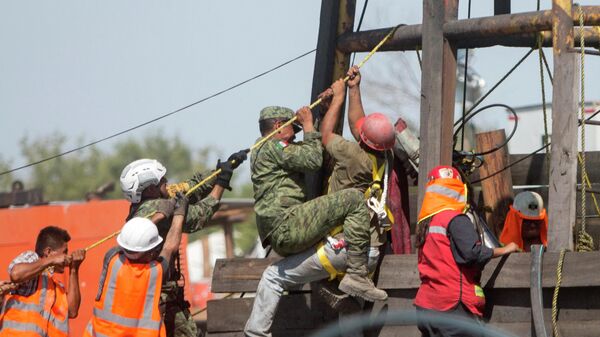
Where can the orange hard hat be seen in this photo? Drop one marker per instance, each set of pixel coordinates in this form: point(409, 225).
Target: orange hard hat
point(376, 131)
point(443, 172)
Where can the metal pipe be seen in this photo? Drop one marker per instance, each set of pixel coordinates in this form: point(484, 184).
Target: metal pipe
point(516, 30)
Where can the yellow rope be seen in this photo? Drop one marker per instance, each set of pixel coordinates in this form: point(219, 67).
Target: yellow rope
point(292, 120)
point(98, 243)
point(559, 267)
point(585, 242)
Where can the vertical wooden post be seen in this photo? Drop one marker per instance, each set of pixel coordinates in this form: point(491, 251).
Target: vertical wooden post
point(497, 190)
point(206, 267)
point(563, 165)
point(228, 229)
point(337, 17)
point(438, 87)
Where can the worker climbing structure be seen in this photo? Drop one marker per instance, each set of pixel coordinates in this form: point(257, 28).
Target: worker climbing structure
point(528, 294)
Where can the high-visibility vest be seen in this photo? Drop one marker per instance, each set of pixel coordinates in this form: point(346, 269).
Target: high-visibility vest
point(45, 313)
point(127, 305)
point(444, 283)
point(441, 195)
point(378, 172)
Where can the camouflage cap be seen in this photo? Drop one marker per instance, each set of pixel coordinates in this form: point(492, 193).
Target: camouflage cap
point(276, 112)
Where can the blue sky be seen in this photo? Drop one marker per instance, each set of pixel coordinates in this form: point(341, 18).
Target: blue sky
point(89, 69)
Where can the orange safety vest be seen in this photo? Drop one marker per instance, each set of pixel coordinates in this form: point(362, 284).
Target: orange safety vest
point(442, 195)
point(513, 223)
point(127, 305)
point(42, 314)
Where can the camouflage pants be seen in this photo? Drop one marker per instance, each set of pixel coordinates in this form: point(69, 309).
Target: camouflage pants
point(306, 224)
point(177, 317)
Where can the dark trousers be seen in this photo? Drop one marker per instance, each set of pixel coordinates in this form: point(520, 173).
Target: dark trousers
point(433, 328)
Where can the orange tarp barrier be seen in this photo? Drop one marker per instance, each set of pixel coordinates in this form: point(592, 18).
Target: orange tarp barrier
point(86, 222)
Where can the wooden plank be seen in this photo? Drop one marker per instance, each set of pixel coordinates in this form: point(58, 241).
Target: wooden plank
point(563, 165)
point(295, 312)
point(497, 191)
point(238, 275)
point(399, 272)
point(509, 310)
point(437, 95)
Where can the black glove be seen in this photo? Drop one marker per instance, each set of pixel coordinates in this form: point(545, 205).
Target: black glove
point(238, 158)
point(181, 204)
point(225, 175)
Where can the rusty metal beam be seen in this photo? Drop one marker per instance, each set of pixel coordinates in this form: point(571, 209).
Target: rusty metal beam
point(510, 30)
point(337, 17)
point(563, 164)
point(438, 87)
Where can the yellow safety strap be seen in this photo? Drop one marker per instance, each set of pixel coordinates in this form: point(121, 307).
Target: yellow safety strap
point(333, 273)
point(378, 177)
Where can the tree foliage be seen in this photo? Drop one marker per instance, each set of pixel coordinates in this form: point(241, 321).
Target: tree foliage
point(71, 176)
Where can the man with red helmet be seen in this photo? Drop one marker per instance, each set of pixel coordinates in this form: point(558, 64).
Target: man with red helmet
point(451, 255)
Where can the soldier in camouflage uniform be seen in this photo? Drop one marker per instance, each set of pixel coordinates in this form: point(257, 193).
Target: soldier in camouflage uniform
point(144, 184)
point(288, 222)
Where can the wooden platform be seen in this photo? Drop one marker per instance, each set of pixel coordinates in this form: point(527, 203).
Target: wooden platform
point(506, 284)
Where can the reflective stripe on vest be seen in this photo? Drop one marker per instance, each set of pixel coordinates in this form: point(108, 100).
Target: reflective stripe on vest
point(146, 322)
point(450, 193)
point(23, 316)
point(437, 230)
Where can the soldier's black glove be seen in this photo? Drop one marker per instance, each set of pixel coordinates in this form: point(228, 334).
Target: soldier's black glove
point(225, 175)
point(238, 158)
point(181, 204)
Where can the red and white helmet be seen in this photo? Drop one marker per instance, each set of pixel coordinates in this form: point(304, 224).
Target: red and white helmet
point(138, 175)
point(443, 172)
point(376, 131)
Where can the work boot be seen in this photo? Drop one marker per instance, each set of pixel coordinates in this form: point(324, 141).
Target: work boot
point(356, 282)
point(334, 298)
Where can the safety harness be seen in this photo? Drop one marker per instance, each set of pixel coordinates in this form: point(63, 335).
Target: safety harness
point(376, 197)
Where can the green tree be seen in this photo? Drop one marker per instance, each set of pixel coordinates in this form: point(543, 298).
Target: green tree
point(71, 176)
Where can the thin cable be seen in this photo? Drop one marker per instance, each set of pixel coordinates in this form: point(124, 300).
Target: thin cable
point(464, 100)
point(527, 156)
point(497, 84)
point(496, 105)
point(159, 117)
point(360, 21)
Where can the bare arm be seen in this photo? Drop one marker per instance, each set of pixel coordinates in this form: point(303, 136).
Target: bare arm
point(355, 107)
point(338, 90)
point(509, 248)
point(73, 293)
point(217, 192)
point(22, 272)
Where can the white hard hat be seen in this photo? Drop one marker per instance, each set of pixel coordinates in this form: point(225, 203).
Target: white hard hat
point(529, 203)
point(139, 235)
point(138, 175)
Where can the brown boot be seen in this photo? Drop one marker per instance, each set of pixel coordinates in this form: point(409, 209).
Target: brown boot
point(356, 282)
point(336, 299)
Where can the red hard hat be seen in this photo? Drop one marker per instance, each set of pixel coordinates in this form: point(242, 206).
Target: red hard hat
point(376, 131)
point(443, 172)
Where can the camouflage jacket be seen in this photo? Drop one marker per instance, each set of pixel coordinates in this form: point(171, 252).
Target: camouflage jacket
point(200, 211)
point(278, 170)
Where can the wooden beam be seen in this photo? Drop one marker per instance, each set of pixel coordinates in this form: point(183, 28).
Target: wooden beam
point(438, 86)
point(337, 18)
point(497, 191)
point(515, 30)
point(229, 245)
point(563, 165)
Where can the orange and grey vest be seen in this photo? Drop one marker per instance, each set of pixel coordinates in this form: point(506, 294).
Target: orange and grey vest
point(127, 302)
point(41, 314)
